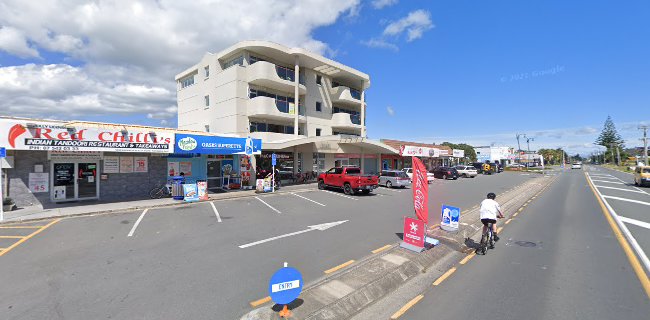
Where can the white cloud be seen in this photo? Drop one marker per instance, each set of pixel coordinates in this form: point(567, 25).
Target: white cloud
point(127, 54)
point(390, 111)
point(415, 24)
point(380, 43)
point(379, 4)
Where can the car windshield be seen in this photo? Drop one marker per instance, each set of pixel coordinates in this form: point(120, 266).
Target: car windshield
point(402, 175)
point(353, 171)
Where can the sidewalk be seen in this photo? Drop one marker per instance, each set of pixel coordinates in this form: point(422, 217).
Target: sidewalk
point(82, 208)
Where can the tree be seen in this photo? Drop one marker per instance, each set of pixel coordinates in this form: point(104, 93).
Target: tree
point(469, 150)
point(610, 139)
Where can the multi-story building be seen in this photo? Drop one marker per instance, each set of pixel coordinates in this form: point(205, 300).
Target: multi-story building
point(306, 108)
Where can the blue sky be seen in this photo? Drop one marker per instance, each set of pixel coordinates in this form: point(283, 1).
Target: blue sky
point(461, 71)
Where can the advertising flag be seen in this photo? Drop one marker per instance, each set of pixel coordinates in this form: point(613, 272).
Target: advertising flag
point(420, 190)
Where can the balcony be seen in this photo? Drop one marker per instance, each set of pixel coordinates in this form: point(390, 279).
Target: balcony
point(342, 120)
point(272, 109)
point(346, 96)
point(274, 136)
point(266, 74)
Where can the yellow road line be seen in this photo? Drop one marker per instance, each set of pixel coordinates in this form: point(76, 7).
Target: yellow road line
point(516, 213)
point(340, 266)
point(21, 227)
point(260, 301)
point(499, 229)
point(444, 276)
point(434, 226)
point(521, 209)
point(508, 221)
point(11, 237)
point(407, 306)
point(631, 256)
point(382, 248)
point(466, 259)
point(28, 237)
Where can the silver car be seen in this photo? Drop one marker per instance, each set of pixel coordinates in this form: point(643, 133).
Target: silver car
point(467, 171)
point(394, 178)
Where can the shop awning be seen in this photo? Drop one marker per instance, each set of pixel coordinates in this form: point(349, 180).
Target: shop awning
point(335, 144)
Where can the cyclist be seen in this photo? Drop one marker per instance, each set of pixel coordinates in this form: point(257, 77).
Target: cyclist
point(489, 212)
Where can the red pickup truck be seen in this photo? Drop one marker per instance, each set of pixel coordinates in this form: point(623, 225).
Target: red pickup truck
point(349, 179)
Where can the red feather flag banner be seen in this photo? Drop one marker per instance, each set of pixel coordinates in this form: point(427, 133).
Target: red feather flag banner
point(420, 190)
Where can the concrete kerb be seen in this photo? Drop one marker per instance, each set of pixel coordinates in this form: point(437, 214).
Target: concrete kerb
point(374, 277)
point(215, 197)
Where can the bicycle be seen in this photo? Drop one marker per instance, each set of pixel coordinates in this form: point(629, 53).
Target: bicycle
point(486, 238)
point(160, 191)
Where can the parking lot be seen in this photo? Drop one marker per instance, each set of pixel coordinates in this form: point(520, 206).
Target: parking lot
point(222, 253)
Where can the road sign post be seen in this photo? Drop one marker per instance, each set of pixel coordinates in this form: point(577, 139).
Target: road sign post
point(284, 287)
point(274, 158)
point(3, 154)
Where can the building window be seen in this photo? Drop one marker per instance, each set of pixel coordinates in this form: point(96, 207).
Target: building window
point(319, 80)
point(318, 132)
point(187, 81)
point(236, 61)
point(207, 128)
point(319, 106)
point(207, 101)
point(254, 59)
point(206, 70)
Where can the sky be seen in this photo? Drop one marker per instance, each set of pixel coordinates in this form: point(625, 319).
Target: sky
point(463, 71)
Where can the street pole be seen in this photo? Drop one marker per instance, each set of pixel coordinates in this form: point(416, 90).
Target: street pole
point(645, 144)
point(2, 198)
point(618, 155)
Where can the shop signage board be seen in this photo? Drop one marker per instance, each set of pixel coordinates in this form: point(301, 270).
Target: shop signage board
point(202, 190)
point(140, 164)
point(415, 151)
point(450, 218)
point(420, 188)
point(413, 238)
point(111, 164)
point(173, 169)
point(458, 153)
point(54, 136)
point(285, 285)
point(190, 143)
point(3, 152)
point(190, 192)
point(274, 159)
point(39, 182)
point(75, 155)
point(126, 164)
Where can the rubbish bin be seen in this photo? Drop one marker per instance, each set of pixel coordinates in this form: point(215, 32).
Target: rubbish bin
point(177, 187)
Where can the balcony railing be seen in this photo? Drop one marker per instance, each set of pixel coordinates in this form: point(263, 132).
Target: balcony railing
point(289, 74)
point(285, 106)
point(355, 118)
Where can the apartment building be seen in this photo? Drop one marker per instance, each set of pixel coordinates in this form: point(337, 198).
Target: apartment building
point(306, 108)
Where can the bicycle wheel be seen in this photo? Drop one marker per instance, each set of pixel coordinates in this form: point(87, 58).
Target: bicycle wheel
point(483, 244)
point(155, 193)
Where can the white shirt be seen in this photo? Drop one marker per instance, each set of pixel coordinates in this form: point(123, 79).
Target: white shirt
point(489, 209)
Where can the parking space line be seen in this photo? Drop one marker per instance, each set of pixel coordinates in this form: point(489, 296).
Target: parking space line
point(635, 222)
point(389, 189)
point(340, 195)
point(622, 189)
point(137, 222)
point(17, 243)
point(299, 196)
point(216, 212)
point(406, 307)
point(604, 181)
point(627, 200)
point(340, 266)
point(268, 205)
point(444, 276)
point(381, 249)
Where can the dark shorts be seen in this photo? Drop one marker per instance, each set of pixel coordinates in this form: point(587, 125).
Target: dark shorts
point(486, 221)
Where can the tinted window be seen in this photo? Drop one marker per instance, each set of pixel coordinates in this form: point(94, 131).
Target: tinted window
point(338, 170)
point(646, 170)
point(353, 171)
point(402, 175)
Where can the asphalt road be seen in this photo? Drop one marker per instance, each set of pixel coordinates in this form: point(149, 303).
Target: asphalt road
point(558, 259)
point(181, 263)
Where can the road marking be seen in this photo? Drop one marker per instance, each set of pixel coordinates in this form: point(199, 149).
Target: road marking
point(499, 229)
point(622, 189)
point(340, 266)
point(508, 221)
point(299, 196)
point(5, 250)
point(521, 209)
point(617, 225)
point(389, 189)
point(628, 200)
point(137, 222)
point(604, 181)
point(216, 212)
point(406, 307)
point(466, 259)
point(381, 249)
point(516, 213)
point(11, 237)
point(321, 227)
point(340, 195)
point(268, 205)
point(444, 276)
point(260, 301)
point(635, 222)
point(20, 227)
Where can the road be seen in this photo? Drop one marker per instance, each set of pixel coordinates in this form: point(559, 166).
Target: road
point(559, 259)
point(183, 263)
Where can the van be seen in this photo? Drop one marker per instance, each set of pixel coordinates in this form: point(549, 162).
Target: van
point(642, 175)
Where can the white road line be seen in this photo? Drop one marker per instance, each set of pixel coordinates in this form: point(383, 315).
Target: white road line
point(603, 181)
point(625, 230)
point(268, 205)
point(299, 196)
point(641, 190)
point(340, 195)
point(628, 200)
point(603, 177)
point(137, 222)
point(613, 188)
point(389, 189)
point(216, 212)
point(635, 222)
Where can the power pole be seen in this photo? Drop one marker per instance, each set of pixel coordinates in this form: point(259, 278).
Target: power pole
point(645, 144)
point(618, 155)
point(519, 147)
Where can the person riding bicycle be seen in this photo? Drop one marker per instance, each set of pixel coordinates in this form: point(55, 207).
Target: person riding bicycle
point(489, 212)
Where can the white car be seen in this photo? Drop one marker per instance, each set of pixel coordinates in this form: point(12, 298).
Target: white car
point(576, 166)
point(467, 171)
point(409, 172)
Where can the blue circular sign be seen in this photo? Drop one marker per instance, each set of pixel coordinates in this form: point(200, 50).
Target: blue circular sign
point(285, 285)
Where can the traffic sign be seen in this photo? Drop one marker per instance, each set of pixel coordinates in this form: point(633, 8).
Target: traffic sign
point(274, 159)
point(3, 152)
point(450, 217)
point(285, 285)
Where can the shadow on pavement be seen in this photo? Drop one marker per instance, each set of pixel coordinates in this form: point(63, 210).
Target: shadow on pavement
point(293, 305)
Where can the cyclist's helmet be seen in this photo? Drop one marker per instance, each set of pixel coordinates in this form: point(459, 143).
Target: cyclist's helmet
point(491, 195)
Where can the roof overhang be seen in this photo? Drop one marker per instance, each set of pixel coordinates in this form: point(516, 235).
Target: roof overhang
point(368, 146)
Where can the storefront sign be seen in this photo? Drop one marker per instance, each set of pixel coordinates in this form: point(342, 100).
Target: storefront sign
point(414, 232)
point(53, 136)
point(202, 189)
point(450, 217)
point(189, 143)
point(111, 164)
point(444, 153)
point(126, 164)
point(413, 151)
point(173, 169)
point(74, 155)
point(190, 192)
point(458, 153)
point(39, 182)
point(140, 164)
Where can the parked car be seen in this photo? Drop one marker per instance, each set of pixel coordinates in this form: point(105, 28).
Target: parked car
point(394, 178)
point(576, 165)
point(349, 179)
point(516, 165)
point(496, 167)
point(642, 175)
point(409, 173)
point(466, 171)
point(478, 166)
point(445, 173)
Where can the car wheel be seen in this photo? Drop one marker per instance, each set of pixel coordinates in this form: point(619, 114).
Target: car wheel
point(347, 189)
point(321, 185)
point(389, 184)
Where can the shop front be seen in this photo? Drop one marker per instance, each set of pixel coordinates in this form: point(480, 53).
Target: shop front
point(431, 155)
